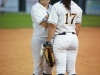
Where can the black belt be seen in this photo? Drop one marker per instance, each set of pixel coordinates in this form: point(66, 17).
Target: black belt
point(64, 33)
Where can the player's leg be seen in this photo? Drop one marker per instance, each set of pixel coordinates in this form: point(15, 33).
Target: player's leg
point(38, 58)
point(60, 62)
point(71, 60)
point(60, 55)
point(71, 56)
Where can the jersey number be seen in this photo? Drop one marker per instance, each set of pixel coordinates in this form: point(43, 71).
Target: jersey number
point(71, 15)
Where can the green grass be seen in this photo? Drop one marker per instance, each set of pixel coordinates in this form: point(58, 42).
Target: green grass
point(91, 21)
point(15, 20)
point(23, 20)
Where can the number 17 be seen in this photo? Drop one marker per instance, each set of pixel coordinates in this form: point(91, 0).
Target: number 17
point(70, 16)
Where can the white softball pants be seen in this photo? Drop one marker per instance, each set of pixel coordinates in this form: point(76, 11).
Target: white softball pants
point(65, 49)
point(40, 65)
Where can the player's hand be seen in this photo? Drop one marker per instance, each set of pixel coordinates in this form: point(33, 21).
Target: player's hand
point(48, 53)
point(48, 43)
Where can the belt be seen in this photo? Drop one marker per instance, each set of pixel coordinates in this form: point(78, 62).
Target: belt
point(64, 33)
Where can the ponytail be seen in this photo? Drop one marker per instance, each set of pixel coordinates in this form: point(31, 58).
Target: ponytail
point(67, 4)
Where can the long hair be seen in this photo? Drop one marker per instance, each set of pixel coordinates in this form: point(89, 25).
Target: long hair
point(67, 4)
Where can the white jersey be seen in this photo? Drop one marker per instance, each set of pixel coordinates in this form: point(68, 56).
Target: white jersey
point(38, 14)
point(64, 19)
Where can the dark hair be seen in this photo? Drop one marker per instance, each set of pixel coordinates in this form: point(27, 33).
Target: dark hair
point(67, 4)
point(39, 0)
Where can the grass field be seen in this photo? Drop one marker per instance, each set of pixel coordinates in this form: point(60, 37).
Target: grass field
point(15, 20)
point(91, 21)
point(23, 20)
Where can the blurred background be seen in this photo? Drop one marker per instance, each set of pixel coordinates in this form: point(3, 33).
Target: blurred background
point(17, 10)
point(88, 6)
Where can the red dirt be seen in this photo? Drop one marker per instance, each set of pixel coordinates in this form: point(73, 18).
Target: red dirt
point(16, 57)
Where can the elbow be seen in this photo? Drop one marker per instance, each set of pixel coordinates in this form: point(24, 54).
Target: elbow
point(78, 25)
point(52, 25)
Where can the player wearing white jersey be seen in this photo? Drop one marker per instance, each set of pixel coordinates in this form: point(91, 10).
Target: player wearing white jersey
point(39, 14)
point(65, 21)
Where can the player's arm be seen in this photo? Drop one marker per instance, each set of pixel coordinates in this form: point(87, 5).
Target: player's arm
point(52, 20)
point(39, 17)
point(51, 31)
point(44, 24)
point(78, 21)
point(78, 25)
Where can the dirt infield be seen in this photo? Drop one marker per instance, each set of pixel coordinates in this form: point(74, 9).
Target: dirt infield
point(16, 58)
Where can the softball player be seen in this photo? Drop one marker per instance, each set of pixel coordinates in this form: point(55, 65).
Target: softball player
point(65, 21)
point(39, 14)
